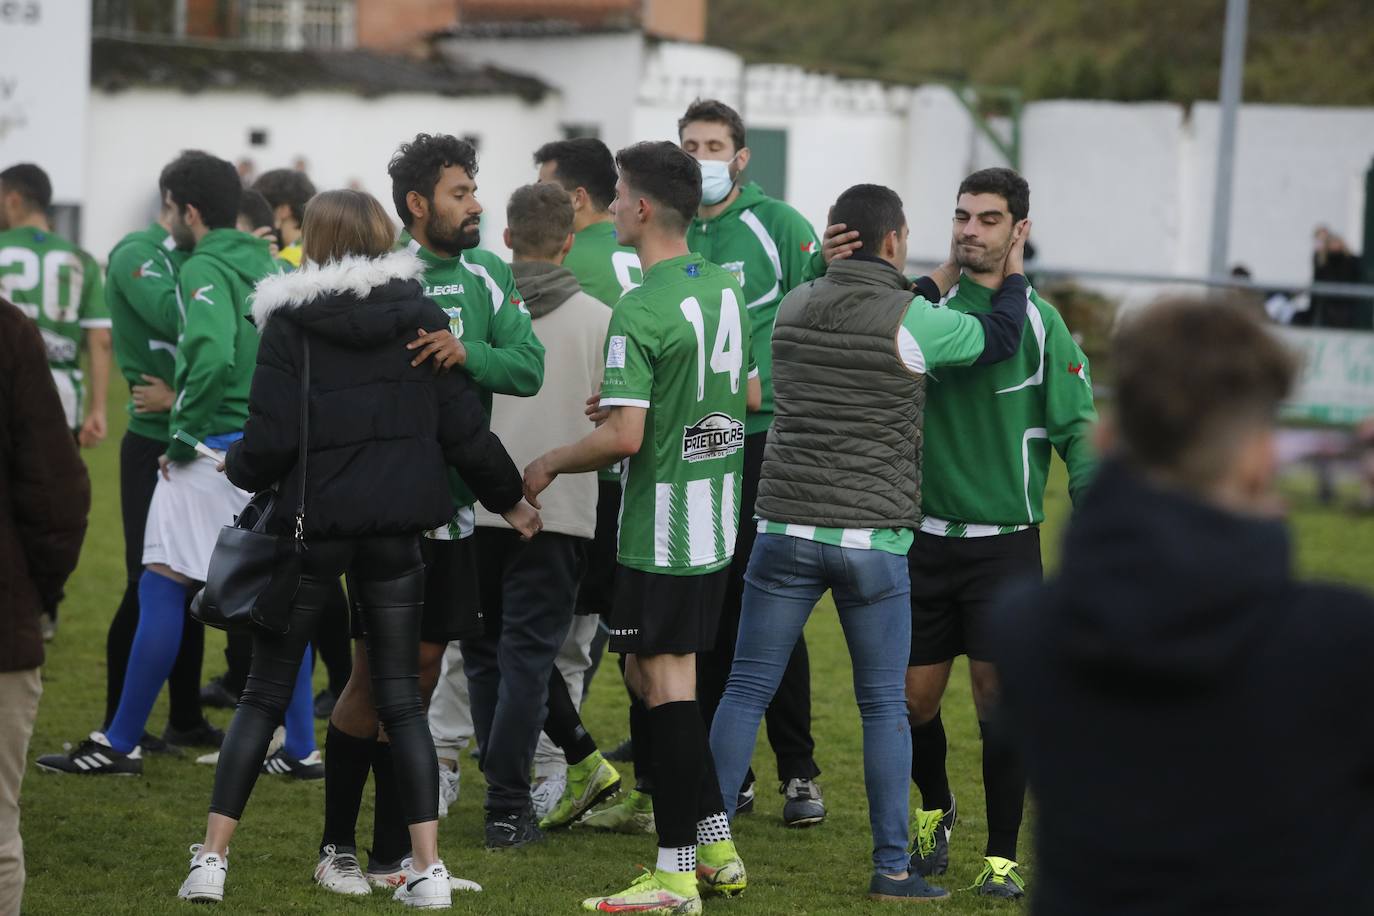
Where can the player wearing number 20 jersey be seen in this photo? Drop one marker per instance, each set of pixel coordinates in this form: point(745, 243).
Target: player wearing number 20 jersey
point(58, 286)
point(678, 346)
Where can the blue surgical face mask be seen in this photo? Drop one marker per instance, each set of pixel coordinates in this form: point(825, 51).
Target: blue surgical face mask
point(716, 180)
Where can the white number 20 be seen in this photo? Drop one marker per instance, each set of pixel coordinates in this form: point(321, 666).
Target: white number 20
point(727, 354)
point(58, 266)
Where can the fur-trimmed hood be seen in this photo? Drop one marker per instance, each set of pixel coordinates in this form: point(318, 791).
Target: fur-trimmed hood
point(354, 277)
point(357, 302)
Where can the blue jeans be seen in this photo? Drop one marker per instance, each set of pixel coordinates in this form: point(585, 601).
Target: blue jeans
point(786, 577)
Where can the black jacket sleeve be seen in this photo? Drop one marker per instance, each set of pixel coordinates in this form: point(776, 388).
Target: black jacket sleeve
point(51, 490)
point(472, 448)
point(927, 289)
point(271, 437)
point(1002, 326)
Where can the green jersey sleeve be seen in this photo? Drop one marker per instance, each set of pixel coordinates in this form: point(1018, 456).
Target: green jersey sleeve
point(144, 276)
point(930, 336)
point(1069, 411)
point(205, 354)
point(800, 250)
point(512, 362)
point(94, 312)
point(631, 345)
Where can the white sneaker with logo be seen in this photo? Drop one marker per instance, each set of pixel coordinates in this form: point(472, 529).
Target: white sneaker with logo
point(205, 881)
point(428, 889)
point(544, 797)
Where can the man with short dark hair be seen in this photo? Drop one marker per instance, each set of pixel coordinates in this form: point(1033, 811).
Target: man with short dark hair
point(57, 285)
point(434, 191)
point(584, 168)
point(770, 248)
point(848, 529)
point(529, 588)
point(989, 433)
point(1174, 671)
point(677, 384)
point(216, 353)
point(287, 191)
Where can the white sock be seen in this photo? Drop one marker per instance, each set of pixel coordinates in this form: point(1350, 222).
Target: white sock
point(679, 859)
point(713, 829)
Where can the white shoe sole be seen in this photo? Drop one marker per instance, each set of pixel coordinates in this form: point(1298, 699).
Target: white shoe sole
point(203, 893)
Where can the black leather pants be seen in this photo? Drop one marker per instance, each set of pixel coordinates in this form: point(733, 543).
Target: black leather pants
point(388, 577)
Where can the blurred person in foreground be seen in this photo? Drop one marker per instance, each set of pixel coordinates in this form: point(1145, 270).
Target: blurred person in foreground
point(1178, 694)
point(45, 495)
point(286, 191)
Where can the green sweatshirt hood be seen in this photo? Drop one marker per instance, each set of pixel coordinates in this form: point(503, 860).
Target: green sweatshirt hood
point(750, 195)
point(245, 256)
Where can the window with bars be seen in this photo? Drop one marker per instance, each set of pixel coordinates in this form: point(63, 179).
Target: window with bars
point(294, 24)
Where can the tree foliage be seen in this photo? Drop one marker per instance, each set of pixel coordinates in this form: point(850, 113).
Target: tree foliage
point(1311, 52)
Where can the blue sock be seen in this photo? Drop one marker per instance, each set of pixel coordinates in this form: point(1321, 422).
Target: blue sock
point(300, 715)
point(161, 613)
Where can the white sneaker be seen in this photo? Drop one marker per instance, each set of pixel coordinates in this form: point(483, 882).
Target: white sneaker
point(339, 872)
point(206, 879)
point(448, 789)
point(429, 889)
point(546, 794)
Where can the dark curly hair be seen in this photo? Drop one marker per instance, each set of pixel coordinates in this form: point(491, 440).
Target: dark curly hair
point(418, 164)
point(1010, 185)
point(208, 183)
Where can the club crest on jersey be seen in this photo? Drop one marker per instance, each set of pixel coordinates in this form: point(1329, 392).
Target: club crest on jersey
point(716, 435)
point(455, 320)
point(736, 268)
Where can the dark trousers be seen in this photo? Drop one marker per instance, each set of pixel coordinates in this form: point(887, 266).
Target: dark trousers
point(788, 719)
point(333, 642)
point(137, 478)
point(528, 593)
point(388, 576)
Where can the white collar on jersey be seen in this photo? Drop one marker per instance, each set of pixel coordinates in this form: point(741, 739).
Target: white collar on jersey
point(357, 275)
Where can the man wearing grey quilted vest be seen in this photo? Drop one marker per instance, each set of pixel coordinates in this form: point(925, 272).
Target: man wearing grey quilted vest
point(839, 495)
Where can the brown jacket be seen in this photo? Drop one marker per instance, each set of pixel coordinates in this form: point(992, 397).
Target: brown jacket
point(45, 493)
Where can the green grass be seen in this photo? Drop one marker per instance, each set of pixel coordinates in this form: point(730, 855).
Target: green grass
point(115, 846)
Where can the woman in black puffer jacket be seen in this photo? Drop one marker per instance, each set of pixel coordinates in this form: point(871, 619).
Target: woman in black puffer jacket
point(382, 435)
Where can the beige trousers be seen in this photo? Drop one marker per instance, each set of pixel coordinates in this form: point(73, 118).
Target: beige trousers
point(19, 693)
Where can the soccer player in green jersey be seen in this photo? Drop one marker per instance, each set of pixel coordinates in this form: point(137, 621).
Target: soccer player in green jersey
point(770, 248)
point(490, 337)
point(989, 433)
point(678, 382)
point(584, 168)
point(58, 286)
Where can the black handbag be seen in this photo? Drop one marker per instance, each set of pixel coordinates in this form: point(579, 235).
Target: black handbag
point(254, 575)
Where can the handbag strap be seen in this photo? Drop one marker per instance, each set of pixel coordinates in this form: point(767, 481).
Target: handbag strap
point(304, 435)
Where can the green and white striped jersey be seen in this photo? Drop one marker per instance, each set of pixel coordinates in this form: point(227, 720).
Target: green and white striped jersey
point(678, 346)
point(57, 285)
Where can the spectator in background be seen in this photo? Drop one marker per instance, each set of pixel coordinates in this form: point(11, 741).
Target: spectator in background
point(1333, 262)
point(287, 192)
point(45, 494)
point(1174, 672)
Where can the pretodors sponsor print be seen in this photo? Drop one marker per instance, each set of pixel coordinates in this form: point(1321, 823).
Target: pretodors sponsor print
point(715, 435)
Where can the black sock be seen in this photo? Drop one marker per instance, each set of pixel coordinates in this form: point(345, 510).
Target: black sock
point(1004, 781)
point(642, 745)
point(928, 747)
point(347, 761)
point(679, 742)
point(118, 643)
point(390, 837)
point(183, 684)
point(563, 725)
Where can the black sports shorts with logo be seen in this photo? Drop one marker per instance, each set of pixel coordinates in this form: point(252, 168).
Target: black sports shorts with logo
point(954, 582)
point(658, 614)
